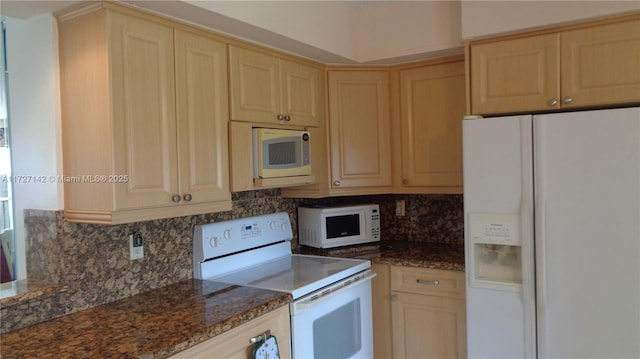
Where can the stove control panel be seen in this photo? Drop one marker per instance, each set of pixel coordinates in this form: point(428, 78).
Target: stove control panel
point(250, 230)
point(221, 238)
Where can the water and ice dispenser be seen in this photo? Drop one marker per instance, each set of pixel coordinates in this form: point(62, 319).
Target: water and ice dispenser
point(496, 251)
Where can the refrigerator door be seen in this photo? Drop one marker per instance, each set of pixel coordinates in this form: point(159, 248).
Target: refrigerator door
point(587, 175)
point(498, 192)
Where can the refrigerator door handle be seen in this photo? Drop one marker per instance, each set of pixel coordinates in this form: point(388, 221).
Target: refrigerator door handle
point(527, 236)
point(540, 211)
point(540, 208)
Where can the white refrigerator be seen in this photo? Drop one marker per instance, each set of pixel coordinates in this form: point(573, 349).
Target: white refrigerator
point(552, 235)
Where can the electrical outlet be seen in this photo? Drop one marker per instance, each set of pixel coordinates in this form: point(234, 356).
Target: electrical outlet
point(136, 248)
point(400, 207)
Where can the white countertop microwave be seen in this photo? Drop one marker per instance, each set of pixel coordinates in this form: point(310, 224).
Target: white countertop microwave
point(335, 226)
point(281, 153)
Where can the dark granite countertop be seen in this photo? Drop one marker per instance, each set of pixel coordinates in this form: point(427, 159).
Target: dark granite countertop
point(26, 289)
point(155, 324)
point(405, 253)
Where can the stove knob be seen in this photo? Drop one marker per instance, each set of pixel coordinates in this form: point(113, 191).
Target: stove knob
point(227, 234)
point(273, 225)
point(214, 242)
point(283, 227)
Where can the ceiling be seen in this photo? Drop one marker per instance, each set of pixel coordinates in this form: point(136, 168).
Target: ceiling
point(27, 9)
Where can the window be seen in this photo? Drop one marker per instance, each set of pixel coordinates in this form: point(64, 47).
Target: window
point(7, 253)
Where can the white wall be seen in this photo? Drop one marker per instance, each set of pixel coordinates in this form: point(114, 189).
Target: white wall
point(483, 18)
point(34, 115)
point(324, 24)
point(392, 29)
point(358, 32)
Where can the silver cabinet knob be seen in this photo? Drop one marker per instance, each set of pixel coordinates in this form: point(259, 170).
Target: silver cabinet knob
point(280, 117)
point(552, 102)
point(287, 118)
point(567, 100)
point(394, 298)
point(336, 183)
point(176, 198)
point(187, 197)
point(405, 181)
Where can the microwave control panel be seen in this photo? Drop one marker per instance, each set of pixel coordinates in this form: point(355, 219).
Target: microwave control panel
point(375, 223)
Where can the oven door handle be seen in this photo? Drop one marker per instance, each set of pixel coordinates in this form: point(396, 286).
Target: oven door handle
point(331, 291)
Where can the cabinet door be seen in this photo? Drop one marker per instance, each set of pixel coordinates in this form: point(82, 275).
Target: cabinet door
point(427, 326)
point(302, 93)
point(381, 304)
point(359, 128)
point(254, 86)
point(144, 122)
point(432, 100)
point(234, 344)
point(601, 65)
point(515, 75)
point(202, 113)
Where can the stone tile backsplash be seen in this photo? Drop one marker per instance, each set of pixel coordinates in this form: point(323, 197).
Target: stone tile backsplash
point(93, 260)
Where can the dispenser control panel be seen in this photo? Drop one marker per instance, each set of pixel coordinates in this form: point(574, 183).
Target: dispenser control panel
point(494, 228)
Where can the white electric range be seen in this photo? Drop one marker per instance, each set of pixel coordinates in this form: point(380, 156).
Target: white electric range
point(331, 308)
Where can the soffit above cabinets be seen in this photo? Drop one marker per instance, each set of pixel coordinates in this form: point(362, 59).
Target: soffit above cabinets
point(330, 32)
point(355, 31)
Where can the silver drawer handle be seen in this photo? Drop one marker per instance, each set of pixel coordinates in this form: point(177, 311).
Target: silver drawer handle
point(427, 282)
point(260, 338)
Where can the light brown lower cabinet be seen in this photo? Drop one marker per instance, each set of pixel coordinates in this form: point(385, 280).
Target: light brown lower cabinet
point(234, 344)
point(381, 305)
point(418, 313)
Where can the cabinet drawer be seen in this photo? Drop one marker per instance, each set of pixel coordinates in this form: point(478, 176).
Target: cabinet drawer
point(427, 281)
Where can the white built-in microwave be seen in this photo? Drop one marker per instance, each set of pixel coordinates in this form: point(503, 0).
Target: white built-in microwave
point(335, 226)
point(281, 153)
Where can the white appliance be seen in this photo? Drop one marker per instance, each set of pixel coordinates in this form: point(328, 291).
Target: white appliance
point(331, 315)
point(335, 226)
point(281, 153)
point(552, 235)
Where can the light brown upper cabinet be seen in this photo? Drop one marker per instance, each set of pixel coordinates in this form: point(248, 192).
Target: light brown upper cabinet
point(144, 117)
point(391, 130)
point(432, 105)
point(585, 65)
point(352, 154)
point(601, 65)
point(268, 89)
point(359, 128)
point(515, 75)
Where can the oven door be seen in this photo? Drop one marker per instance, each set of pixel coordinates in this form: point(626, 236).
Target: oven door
point(335, 322)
